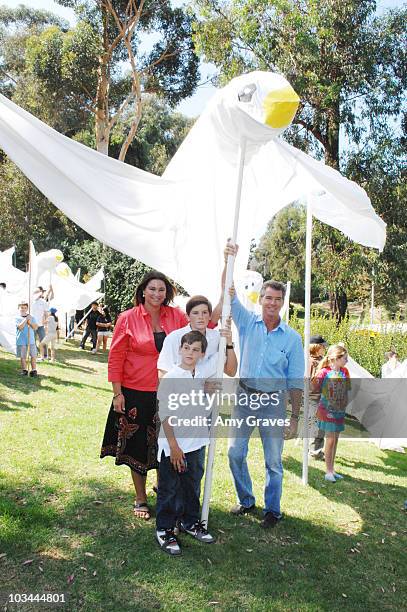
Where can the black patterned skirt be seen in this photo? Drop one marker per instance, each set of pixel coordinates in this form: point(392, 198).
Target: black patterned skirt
point(132, 437)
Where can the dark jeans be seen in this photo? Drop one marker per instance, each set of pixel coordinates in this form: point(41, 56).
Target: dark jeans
point(89, 332)
point(178, 494)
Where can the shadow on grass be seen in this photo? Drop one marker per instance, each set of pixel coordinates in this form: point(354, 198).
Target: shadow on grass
point(8, 405)
point(88, 537)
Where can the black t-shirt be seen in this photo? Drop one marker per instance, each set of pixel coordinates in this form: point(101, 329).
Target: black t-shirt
point(92, 318)
point(104, 319)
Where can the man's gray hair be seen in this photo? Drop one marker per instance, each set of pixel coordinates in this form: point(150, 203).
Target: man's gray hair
point(273, 285)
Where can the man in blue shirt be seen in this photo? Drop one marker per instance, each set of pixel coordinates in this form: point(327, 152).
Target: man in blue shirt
point(271, 365)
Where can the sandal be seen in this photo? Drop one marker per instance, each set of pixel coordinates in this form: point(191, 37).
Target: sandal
point(141, 510)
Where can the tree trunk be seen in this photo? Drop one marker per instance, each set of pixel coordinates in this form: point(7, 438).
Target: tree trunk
point(332, 137)
point(102, 127)
point(340, 304)
point(340, 301)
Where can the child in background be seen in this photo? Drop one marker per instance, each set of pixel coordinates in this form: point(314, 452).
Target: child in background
point(317, 349)
point(332, 380)
point(26, 325)
point(391, 364)
point(181, 449)
point(51, 335)
point(104, 328)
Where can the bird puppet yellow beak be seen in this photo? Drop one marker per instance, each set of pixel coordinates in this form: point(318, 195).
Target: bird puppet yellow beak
point(280, 106)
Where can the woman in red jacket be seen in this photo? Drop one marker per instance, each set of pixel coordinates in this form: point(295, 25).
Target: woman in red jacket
point(130, 433)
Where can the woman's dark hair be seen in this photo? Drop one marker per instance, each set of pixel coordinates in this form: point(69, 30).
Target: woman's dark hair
point(52, 314)
point(154, 275)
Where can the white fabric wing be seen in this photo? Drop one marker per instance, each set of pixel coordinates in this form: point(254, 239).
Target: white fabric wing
point(179, 223)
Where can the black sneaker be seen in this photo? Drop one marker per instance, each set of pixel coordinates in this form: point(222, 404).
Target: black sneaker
point(33, 373)
point(168, 542)
point(270, 520)
point(198, 531)
point(23, 373)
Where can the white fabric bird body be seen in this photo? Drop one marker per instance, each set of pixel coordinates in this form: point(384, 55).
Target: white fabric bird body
point(179, 223)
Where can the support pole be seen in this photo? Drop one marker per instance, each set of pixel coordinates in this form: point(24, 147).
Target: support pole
point(307, 330)
point(80, 322)
point(222, 344)
point(372, 302)
point(29, 329)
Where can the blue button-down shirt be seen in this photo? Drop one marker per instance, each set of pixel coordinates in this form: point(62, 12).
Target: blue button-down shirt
point(269, 361)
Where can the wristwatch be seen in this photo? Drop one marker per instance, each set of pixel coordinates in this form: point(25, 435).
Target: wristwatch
point(230, 346)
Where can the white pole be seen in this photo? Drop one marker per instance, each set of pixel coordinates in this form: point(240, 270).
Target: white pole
point(288, 293)
point(307, 329)
point(78, 325)
point(222, 344)
point(29, 329)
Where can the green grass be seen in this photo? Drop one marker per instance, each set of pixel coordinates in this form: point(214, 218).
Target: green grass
point(340, 546)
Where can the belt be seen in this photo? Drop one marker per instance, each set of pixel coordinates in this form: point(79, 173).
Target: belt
point(251, 390)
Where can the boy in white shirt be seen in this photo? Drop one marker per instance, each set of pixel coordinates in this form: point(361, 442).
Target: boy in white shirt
point(181, 447)
point(199, 312)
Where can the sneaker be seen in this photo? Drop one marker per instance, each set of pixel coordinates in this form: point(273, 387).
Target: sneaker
point(198, 531)
point(239, 509)
point(317, 454)
point(168, 542)
point(40, 359)
point(33, 373)
point(338, 476)
point(270, 520)
point(82, 348)
point(330, 477)
point(24, 373)
point(93, 351)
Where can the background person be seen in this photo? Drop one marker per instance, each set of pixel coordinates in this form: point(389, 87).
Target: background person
point(130, 434)
point(91, 329)
point(391, 364)
point(39, 309)
point(26, 326)
point(317, 349)
point(332, 381)
point(104, 326)
point(50, 339)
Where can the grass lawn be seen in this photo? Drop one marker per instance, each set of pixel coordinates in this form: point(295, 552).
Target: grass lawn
point(66, 523)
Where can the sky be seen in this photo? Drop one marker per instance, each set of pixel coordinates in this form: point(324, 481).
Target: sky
point(192, 107)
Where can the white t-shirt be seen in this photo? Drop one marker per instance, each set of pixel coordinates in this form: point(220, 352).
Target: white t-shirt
point(39, 309)
point(389, 367)
point(52, 326)
point(190, 422)
point(170, 357)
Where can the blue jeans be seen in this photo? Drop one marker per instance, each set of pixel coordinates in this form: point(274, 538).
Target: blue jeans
point(40, 333)
point(272, 439)
point(178, 494)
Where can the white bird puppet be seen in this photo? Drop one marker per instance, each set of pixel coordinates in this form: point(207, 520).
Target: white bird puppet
point(248, 289)
point(161, 220)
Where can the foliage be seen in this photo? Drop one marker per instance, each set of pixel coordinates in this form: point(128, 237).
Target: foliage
point(348, 66)
point(100, 65)
point(365, 346)
point(122, 273)
point(27, 215)
point(335, 54)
